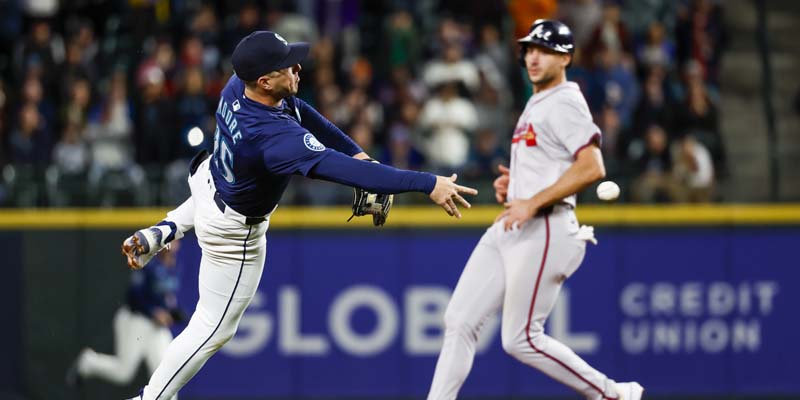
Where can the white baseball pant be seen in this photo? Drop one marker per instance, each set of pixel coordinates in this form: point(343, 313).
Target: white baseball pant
point(521, 271)
point(233, 255)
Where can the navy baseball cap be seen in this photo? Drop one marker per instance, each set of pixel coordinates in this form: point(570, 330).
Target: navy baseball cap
point(262, 52)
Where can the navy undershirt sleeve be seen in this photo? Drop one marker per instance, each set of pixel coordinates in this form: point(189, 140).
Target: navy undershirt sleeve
point(374, 177)
point(327, 133)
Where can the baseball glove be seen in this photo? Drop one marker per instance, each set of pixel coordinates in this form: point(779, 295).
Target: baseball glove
point(378, 205)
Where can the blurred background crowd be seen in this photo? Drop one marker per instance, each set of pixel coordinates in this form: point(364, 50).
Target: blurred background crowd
point(103, 102)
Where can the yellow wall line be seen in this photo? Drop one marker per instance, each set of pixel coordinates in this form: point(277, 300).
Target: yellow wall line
point(418, 217)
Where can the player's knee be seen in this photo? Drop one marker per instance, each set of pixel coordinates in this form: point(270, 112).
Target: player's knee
point(459, 324)
point(516, 344)
point(223, 335)
point(512, 344)
point(220, 339)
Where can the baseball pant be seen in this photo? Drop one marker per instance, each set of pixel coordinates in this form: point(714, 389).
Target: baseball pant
point(521, 271)
point(136, 337)
point(233, 255)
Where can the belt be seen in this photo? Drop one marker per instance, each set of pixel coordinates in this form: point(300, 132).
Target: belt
point(545, 211)
point(247, 220)
point(549, 209)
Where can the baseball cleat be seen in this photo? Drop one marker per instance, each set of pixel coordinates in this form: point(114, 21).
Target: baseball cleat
point(629, 391)
point(142, 246)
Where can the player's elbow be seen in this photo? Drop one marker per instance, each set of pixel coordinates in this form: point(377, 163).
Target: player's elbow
point(590, 163)
point(599, 171)
point(593, 171)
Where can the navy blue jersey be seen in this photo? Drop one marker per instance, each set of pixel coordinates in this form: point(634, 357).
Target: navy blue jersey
point(152, 287)
point(257, 148)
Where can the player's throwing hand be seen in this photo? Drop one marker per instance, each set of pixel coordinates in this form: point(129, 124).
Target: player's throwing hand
point(447, 192)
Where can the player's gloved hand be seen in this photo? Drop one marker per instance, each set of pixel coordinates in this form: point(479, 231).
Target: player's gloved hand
point(378, 205)
point(446, 193)
point(501, 184)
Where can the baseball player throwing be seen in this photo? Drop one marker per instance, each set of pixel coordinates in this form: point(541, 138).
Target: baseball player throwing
point(523, 259)
point(264, 135)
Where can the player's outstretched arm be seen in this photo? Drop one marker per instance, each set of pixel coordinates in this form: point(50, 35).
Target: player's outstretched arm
point(383, 179)
point(446, 193)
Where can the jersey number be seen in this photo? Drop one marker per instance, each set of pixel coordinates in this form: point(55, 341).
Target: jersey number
point(223, 157)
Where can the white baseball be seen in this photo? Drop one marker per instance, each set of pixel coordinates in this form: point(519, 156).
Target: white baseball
point(607, 191)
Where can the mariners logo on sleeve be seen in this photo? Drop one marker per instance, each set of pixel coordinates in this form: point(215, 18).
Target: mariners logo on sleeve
point(312, 143)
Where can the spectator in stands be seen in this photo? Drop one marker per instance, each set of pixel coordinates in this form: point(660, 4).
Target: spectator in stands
point(42, 51)
point(656, 50)
point(611, 34)
point(653, 169)
point(700, 35)
point(361, 133)
point(494, 49)
point(71, 163)
point(156, 131)
point(614, 142)
point(447, 121)
point(71, 154)
point(72, 69)
point(452, 67)
point(110, 128)
point(582, 17)
point(296, 27)
point(494, 112)
point(613, 83)
point(194, 110)
point(205, 27)
point(693, 172)
point(699, 117)
point(76, 110)
point(485, 155)
point(248, 20)
point(30, 140)
point(86, 40)
point(33, 92)
point(403, 48)
point(656, 106)
point(401, 151)
point(640, 15)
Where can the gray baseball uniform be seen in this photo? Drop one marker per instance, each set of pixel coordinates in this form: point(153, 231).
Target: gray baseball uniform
point(522, 270)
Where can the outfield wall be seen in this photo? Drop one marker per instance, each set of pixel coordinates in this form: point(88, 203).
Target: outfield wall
point(353, 311)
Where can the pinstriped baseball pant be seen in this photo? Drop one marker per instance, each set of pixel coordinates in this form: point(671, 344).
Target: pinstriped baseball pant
point(521, 271)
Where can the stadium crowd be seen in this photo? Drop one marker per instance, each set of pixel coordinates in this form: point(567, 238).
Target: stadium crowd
point(103, 102)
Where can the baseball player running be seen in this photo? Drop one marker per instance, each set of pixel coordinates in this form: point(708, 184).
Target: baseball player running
point(523, 259)
point(141, 326)
point(264, 135)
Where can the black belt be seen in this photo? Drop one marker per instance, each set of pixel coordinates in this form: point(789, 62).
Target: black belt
point(549, 209)
point(247, 220)
point(545, 211)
